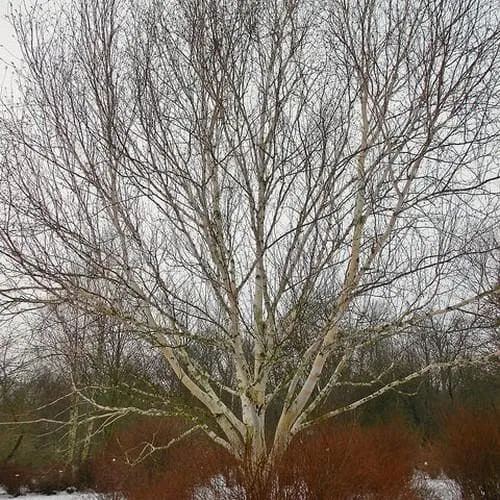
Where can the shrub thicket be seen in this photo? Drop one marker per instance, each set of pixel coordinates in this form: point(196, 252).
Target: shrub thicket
point(469, 451)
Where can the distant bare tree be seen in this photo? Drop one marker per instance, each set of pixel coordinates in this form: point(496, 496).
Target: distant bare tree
point(14, 362)
point(482, 270)
point(250, 181)
point(95, 356)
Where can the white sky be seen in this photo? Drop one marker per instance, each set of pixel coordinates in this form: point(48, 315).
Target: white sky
point(8, 45)
point(9, 51)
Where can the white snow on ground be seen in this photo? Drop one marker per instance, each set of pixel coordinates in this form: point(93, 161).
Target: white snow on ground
point(218, 488)
point(441, 488)
point(444, 489)
point(431, 489)
point(58, 496)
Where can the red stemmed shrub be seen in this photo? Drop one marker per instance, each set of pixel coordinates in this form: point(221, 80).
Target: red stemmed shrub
point(124, 464)
point(338, 462)
point(469, 451)
point(332, 461)
point(13, 477)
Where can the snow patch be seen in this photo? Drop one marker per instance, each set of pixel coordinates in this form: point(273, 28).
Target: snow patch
point(57, 496)
point(440, 488)
point(217, 489)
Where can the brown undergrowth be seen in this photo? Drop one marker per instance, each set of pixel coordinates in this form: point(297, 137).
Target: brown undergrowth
point(350, 461)
point(17, 479)
point(124, 464)
point(330, 462)
point(468, 451)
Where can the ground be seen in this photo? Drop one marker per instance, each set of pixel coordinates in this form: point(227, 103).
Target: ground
point(59, 496)
point(436, 489)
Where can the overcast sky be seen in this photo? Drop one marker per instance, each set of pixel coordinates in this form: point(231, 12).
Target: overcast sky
point(9, 51)
point(7, 40)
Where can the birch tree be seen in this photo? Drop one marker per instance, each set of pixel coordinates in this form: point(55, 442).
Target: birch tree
point(277, 185)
